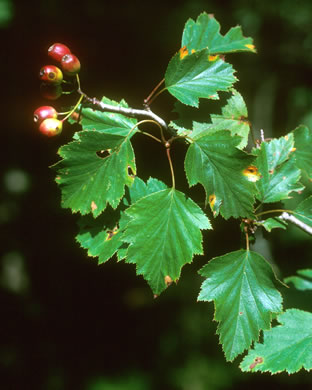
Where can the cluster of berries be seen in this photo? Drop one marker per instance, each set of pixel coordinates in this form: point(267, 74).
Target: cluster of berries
point(52, 77)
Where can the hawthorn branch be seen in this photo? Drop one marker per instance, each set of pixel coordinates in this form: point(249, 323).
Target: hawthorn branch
point(131, 112)
point(291, 218)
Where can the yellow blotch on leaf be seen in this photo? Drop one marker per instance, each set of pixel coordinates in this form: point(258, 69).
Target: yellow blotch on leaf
point(252, 173)
point(111, 233)
point(212, 200)
point(183, 52)
point(251, 47)
point(213, 58)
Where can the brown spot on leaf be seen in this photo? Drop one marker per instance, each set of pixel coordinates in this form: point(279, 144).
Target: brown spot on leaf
point(111, 233)
point(257, 360)
point(93, 206)
point(168, 280)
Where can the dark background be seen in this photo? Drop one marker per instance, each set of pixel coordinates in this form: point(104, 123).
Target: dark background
point(67, 323)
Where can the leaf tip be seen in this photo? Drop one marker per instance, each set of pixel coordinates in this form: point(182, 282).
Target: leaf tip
point(251, 47)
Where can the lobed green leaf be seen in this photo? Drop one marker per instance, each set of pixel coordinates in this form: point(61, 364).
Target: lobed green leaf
point(164, 234)
point(303, 151)
point(107, 122)
point(273, 223)
point(197, 75)
point(242, 286)
point(214, 161)
point(286, 347)
point(205, 33)
point(304, 211)
point(102, 236)
point(279, 174)
point(89, 182)
point(303, 281)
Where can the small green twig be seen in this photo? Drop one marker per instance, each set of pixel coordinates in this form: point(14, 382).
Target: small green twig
point(170, 163)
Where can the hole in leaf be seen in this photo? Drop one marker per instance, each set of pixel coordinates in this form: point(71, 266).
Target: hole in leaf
point(103, 153)
point(130, 172)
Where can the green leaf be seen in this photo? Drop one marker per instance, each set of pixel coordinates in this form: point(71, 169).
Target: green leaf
point(303, 281)
point(286, 347)
point(107, 122)
point(195, 76)
point(278, 169)
point(303, 152)
point(102, 236)
point(164, 234)
point(205, 33)
point(87, 181)
point(234, 118)
point(241, 284)
point(214, 161)
point(272, 223)
point(304, 211)
point(139, 189)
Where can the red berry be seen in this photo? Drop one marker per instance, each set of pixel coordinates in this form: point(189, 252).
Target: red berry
point(57, 51)
point(70, 64)
point(51, 74)
point(43, 113)
point(51, 127)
